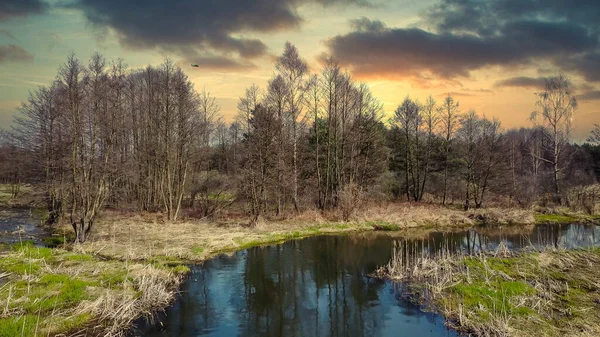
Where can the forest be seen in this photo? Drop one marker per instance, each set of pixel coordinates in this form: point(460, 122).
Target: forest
point(103, 135)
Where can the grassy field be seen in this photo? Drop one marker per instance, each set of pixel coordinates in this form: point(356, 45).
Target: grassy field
point(548, 293)
point(47, 292)
point(148, 236)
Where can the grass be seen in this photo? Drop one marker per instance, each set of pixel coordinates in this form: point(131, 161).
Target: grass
point(548, 293)
point(25, 325)
point(55, 291)
point(566, 218)
point(26, 196)
point(148, 237)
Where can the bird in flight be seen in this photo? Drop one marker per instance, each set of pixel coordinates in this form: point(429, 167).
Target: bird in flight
point(194, 65)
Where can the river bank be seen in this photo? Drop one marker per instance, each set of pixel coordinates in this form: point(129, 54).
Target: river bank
point(550, 292)
point(148, 256)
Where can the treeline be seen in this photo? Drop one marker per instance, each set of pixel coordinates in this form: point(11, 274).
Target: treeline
point(102, 134)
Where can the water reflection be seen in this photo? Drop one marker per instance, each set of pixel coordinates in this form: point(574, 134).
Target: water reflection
point(20, 224)
point(319, 286)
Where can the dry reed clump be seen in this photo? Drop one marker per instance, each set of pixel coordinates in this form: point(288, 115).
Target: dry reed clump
point(148, 290)
point(409, 215)
point(548, 293)
point(310, 216)
point(502, 216)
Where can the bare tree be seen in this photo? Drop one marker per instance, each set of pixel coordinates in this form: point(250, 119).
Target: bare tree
point(39, 128)
point(557, 104)
point(470, 135)
point(246, 105)
point(489, 159)
point(91, 146)
point(408, 118)
point(259, 163)
point(450, 117)
point(277, 101)
point(293, 70)
point(595, 135)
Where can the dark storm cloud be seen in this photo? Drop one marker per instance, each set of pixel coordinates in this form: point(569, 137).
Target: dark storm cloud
point(15, 8)
point(205, 27)
point(586, 64)
point(466, 35)
point(589, 96)
point(13, 53)
point(523, 81)
point(486, 17)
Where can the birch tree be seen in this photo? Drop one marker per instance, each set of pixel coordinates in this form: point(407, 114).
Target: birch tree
point(556, 106)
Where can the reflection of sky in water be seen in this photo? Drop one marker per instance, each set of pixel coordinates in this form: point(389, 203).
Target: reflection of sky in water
point(319, 286)
point(19, 225)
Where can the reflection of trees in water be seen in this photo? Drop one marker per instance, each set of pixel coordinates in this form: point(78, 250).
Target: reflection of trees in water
point(318, 289)
point(489, 239)
point(572, 236)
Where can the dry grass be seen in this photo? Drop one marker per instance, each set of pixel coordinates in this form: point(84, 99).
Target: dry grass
point(151, 288)
point(548, 293)
point(55, 292)
point(408, 215)
point(144, 237)
point(28, 196)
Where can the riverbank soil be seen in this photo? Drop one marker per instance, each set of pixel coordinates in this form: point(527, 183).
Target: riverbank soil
point(548, 293)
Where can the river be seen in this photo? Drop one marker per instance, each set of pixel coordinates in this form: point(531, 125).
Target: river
point(21, 224)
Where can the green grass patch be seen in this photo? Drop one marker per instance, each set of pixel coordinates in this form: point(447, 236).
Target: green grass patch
point(557, 218)
point(18, 326)
point(54, 241)
point(73, 322)
point(384, 226)
point(51, 292)
point(181, 269)
point(115, 277)
point(198, 250)
point(78, 257)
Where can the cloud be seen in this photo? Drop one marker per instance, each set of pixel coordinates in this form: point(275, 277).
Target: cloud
point(455, 94)
point(7, 34)
point(523, 81)
point(198, 28)
point(586, 64)
point(13, 53)
point(466, 35)
point(589, 96)
point(16, 8)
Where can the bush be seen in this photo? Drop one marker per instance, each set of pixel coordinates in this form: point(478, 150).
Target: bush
point(350, 199)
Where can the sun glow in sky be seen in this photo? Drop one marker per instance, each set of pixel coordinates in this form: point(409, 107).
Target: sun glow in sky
point(492, 55)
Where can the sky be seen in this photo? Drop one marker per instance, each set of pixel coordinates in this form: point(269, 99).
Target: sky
point(491, 55)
